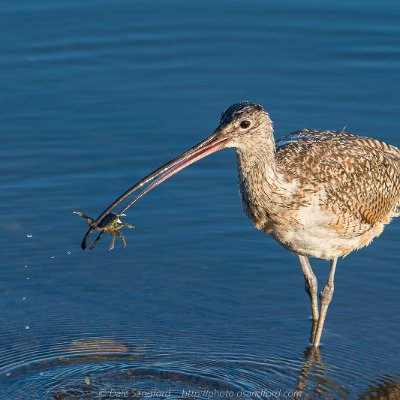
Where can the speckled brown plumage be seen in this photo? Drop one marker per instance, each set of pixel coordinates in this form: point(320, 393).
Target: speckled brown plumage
point(361, 176)
point(318, 193)
point(339, 187)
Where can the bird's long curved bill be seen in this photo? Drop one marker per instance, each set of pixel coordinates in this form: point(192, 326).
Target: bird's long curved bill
point(208, 146)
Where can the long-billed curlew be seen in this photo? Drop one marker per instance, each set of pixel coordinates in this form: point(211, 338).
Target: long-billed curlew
point(320, 194)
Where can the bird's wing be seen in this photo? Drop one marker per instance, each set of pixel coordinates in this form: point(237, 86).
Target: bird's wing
point(360, 176)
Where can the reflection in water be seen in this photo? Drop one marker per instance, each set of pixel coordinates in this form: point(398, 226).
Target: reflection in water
point(388, 388)
point(314, 380)
point(97, 345)
point(92, 368)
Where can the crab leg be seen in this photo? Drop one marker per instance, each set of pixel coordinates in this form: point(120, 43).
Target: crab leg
point(112, 233)
point(121, 235)
point(96, 240)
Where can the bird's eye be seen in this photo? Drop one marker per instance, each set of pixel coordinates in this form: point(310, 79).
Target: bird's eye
point(245, 124)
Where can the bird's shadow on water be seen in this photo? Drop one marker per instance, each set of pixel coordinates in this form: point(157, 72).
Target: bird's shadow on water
point(316, 380)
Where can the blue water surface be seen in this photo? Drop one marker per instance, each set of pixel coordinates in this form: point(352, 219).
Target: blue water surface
point(96, 94)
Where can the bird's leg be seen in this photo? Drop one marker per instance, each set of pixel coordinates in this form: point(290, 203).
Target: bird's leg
point(325, 298)
point(311, 286)
point(121, 235)
point(112, 233)
point(96, 240)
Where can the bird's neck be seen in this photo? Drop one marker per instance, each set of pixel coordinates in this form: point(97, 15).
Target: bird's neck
point(257, 171)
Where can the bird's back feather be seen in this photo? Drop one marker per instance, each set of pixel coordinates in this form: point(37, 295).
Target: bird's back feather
point(361, 176)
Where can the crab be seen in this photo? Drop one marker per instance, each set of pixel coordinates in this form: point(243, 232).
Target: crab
point(111, 224)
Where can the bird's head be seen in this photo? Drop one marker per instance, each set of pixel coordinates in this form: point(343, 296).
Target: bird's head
point(242, 125)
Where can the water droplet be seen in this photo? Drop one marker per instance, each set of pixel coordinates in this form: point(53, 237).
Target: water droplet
point(29, 235)
point(27, 327)
point(27, 278)
point(52, 257)
point(24, 298)
point(26, 266)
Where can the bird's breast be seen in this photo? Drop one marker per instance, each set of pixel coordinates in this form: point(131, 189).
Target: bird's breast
point(303, 225)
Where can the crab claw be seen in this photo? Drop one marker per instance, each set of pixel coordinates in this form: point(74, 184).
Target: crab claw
point(126, 225)
point(90, 221)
